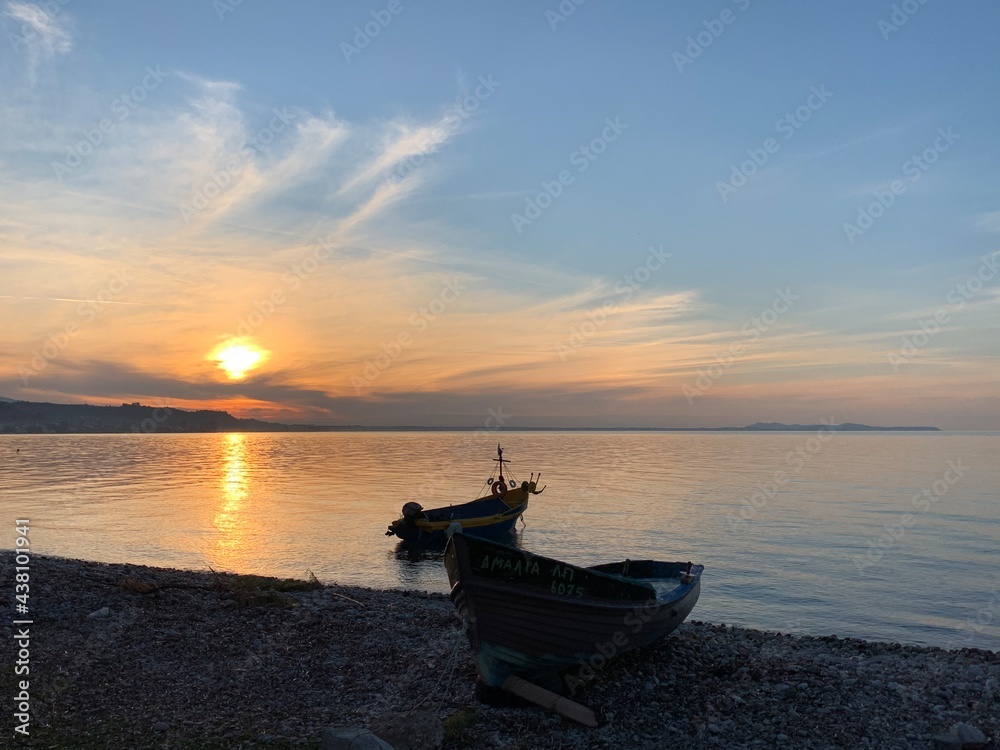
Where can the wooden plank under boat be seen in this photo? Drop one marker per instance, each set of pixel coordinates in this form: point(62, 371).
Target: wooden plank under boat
point(494, 514)
point(550, 622)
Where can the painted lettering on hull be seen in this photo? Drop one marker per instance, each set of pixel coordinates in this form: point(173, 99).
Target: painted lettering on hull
point(517, 567)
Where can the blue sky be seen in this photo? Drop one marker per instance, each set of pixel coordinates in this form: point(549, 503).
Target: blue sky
point(416, 172)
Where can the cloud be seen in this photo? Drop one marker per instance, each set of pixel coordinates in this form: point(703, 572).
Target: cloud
point(863, 139)
point(402, 143)
point(989, 221)
point(43, 35)
point(41, 29)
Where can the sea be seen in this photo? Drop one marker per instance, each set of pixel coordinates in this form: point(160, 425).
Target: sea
point(891, 536)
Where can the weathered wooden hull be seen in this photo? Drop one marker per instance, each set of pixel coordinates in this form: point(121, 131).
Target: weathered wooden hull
point(520, 624)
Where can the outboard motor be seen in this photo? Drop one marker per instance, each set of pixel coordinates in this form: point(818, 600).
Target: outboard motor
point(412, 511)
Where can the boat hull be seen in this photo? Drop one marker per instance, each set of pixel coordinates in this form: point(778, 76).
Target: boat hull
point(519, 624)
point(489, 517)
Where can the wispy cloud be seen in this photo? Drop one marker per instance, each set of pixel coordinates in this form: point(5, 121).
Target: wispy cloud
point(42, 35)
point(989, 221)
point(402, 142)
point(879, 134)
point(41, 29)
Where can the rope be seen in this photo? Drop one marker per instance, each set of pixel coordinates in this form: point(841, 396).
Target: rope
point(448, 670)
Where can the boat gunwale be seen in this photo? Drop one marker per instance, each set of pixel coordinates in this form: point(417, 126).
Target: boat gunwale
point(696, 571)
point(427, 524)
point(588, 601)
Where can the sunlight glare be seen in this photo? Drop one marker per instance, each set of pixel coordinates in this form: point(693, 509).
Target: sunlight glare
point(237, 357)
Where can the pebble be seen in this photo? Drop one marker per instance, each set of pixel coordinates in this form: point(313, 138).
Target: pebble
point(967, 733)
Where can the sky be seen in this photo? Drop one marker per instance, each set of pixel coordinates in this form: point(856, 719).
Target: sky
point(522, 214)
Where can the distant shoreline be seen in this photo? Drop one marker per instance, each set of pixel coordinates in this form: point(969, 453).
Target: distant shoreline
point(29, 417)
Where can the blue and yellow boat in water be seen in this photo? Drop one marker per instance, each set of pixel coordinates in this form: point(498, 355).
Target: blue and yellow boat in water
point(492, 515)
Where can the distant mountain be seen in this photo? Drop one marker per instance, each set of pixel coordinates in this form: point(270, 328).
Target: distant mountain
point(31, 417)
point(34, 417)
point(845, 427)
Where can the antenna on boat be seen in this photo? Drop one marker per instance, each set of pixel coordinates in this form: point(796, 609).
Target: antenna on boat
point(500, 460)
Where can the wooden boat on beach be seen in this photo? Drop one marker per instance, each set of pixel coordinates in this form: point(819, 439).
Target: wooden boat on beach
point(554, 624)
point(494, 514)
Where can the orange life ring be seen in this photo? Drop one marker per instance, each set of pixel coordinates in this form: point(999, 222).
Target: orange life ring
point(499, 488)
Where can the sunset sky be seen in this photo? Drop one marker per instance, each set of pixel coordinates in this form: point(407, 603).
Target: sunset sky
point(410, 213)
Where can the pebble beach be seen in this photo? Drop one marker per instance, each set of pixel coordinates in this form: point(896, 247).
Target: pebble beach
point(126, 656)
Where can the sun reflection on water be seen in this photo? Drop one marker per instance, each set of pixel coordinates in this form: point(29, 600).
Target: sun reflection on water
point(231, 520)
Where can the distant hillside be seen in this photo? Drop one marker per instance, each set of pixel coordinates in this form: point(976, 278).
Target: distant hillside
point(32, 417)
point(845, 427)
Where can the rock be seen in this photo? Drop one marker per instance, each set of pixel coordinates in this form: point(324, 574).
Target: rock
point(412, 730)
point(785, 691)
point(102, 612)
point(161, 726)
point(967, 733)
point(714, 729)
point(961, 737)
point(335, 738)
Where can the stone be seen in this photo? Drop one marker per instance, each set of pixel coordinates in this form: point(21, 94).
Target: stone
point(961, 737)
point(102, 612)
point(967, 733)
point(161, 726)
point(411, 730)
point(974, 672)
point(337, 738)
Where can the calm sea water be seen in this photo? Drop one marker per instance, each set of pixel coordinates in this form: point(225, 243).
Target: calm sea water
point(888, 536)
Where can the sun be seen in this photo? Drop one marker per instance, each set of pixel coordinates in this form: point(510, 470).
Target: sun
point(237, 357)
